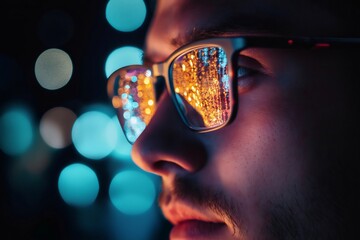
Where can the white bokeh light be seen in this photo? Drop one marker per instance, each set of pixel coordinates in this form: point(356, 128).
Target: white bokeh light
point(53, 69)
point(55, 127)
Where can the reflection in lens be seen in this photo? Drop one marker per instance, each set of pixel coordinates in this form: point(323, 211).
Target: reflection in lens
point(133, 94)
point(202, 87)
point(122, 149)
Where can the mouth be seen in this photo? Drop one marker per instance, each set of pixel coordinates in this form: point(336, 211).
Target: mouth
point(196, 229)
point(195, 223)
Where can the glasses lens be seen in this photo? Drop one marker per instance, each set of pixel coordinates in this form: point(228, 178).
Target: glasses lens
point(133, 95)
point(201, 85)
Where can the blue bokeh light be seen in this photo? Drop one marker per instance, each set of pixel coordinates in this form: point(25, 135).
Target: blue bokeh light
point(149, 222)
point(94, 135)
point(125, 15)
point(132, 192)
point(78, 185)
point(16, 129)
point(122, 57)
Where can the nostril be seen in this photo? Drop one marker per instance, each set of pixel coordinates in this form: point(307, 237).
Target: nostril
point(160, 165)
point(164, 167)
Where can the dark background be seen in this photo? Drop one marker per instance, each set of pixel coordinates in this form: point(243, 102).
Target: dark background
point(31, 206)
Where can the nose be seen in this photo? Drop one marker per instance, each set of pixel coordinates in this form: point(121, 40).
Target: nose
point(167, 146)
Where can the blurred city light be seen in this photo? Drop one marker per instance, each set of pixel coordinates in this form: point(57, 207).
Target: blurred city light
point(121, 57)
point(16, 127)
point(94, 135)
point(53, 69)
point(41, 140)
point(132, 192)
point(126, 15)
point(55, 127)
point(78, 185)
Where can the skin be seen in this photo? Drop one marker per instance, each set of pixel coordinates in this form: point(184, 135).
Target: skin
point(278, 170)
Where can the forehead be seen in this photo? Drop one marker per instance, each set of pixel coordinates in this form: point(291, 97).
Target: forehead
point(175, 21)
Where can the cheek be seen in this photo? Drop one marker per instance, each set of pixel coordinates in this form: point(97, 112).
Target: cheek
point(263, 156)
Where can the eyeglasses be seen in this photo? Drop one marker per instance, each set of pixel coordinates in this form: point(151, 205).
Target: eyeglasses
point(200, 80)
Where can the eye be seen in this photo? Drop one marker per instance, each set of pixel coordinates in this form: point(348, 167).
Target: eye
point(244, 72)
point(245, 78)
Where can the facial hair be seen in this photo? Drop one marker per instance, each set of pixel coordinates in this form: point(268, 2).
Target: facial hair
point(294, 218)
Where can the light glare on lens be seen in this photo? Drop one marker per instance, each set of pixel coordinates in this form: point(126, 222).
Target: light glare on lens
point(135, 99)
point(201, 83)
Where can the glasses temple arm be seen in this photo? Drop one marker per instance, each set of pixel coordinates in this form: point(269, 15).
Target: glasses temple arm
point(302, 42)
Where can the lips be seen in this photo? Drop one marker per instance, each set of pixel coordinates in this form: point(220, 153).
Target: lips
point(195, 229)
point(193, 222)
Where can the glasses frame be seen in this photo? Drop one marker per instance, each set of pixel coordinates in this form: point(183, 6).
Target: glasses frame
point(232, 46)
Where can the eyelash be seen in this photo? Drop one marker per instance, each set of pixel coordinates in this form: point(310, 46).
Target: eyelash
point(244, 78)
point(244, 72)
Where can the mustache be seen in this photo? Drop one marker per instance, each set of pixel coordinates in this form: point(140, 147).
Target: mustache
point(191, 191)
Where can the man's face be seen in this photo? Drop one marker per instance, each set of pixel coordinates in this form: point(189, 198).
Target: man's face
point(264, 176)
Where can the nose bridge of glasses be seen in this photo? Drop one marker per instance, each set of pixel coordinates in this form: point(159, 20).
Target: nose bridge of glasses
point(159, 69)
point(161, 74)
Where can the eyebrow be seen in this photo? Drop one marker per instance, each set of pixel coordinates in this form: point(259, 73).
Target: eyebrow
point(224, 29)
point(195, 35)
point(187, 37)
point(231, 26)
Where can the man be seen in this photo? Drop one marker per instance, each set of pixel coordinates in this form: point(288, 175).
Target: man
point(261, 144)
